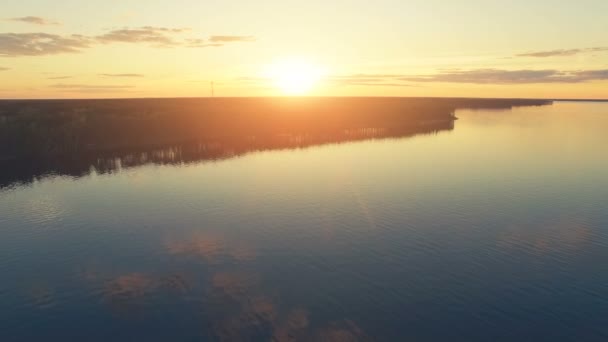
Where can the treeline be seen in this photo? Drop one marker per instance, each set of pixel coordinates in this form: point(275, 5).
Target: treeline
point(50, 128)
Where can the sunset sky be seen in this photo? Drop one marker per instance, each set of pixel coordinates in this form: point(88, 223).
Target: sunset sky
point(157, 48)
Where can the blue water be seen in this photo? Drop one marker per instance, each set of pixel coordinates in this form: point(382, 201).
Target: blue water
point(495, 230)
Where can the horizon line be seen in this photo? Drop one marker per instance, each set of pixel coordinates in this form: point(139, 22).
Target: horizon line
point(303, 97)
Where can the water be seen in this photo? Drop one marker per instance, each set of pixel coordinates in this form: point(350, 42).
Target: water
point(495, 229)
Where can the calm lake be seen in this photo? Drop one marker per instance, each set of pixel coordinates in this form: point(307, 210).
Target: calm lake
point(493, 229)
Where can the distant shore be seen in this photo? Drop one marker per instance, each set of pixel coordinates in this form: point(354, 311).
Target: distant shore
point(580, 100)
point(49, 128)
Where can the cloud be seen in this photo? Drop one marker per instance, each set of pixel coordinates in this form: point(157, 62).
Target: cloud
point(167, 37)
point(374, 80)
point(156, 36)
point(40, 44)
point(34, 20)
point(201, 43)
point(231, 39)
point(91, 88)
point(379, 84)
point(598, 49)
point(368, 80)
point(121, 75)
point(477, 76)
point(58, 77)
point(592, 75)
point(217, 41)
point(562, 52)
point(497, 76)
point(69, 86)
point(4, 69)
point(551, 53)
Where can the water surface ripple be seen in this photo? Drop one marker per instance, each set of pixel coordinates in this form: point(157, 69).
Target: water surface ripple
point(495, 229)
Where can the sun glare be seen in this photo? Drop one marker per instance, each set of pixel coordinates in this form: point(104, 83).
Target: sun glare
point(295, 77)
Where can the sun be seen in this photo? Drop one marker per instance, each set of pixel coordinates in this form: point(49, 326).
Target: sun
point(295, 77)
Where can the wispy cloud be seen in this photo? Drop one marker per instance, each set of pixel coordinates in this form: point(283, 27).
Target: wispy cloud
point(92, 88)
point(201, 43)
point(562, 52)
point(59, 77)
point(167, 37)
point(34, 20)
point(40, 44)
point(598, 49)
point(4, 69)
point(218, 41)
point(476, 76)
point(368, 80)
point(497, 76)
point(591, 75)
point(551, 53)
point(230, 39)
point(379, 84)
point(121, 75)
point(156, 36)
point(374, 80)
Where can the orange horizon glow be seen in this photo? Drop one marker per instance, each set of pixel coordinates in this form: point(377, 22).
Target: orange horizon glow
point(143, 49)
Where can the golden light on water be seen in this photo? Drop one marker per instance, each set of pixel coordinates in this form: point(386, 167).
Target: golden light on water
point(295, 76)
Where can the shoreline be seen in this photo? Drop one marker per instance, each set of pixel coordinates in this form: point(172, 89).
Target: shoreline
point(48, 129)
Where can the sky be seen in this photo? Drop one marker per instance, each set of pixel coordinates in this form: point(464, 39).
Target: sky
point(159, 48)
